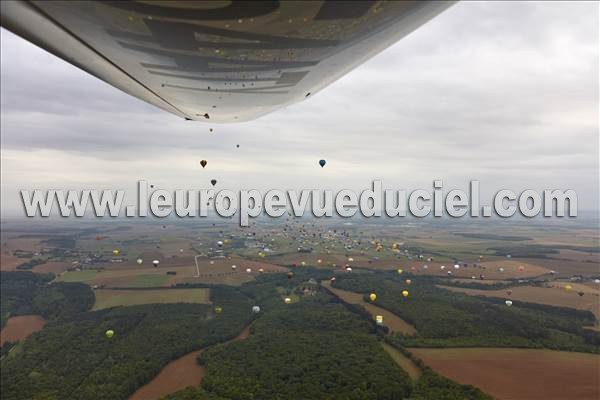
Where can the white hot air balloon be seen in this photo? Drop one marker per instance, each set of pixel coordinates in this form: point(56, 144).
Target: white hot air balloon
point(155, 263)
point(456, 266)
point(234, 267)
point(139, 261)
point(249, 270)
point(508, 303)
point(255, 309)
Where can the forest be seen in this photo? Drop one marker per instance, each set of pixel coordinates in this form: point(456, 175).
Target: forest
point(315, 347)
point(448, 319)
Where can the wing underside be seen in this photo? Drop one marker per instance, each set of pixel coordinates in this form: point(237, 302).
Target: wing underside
point(221, 61)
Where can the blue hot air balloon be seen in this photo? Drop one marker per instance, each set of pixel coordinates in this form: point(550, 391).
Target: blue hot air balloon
point(322, 163)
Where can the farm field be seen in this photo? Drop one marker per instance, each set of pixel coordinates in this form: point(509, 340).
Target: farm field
point(392, 321)
point(106, 298)
point(519, 374)
point(19, 327)
point(178, 374)
point(553, 296)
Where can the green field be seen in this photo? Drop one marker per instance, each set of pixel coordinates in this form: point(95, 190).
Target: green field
point(145, 281)
point(77, 276)
point(113, 298)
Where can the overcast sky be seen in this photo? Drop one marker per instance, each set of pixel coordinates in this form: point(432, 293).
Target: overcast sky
point(503, 92)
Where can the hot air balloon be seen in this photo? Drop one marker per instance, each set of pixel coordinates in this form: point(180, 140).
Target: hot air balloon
point(399, 271)
point(596, 280)
point(372, 297)
point(220, 243)
point(287, 300)
point(218, 309)
point(408, 281)
point(213, 182)
point(116, 252)
point(350, 259)
point(255, 309)
point(303, 264)
point(501, 269)
point(319, 261)
point(580, 293)
point(290, 275)
point(332, 279)
point(348, 269)
point(139, 261)
point(233, 267)
point(405, 293)
point(508, 303)
point(322, 163)
point(260, 270)
point(109, 333)
point(456, 266)
point(568, 288)
point(443, 267)
point(203, 163)
point(249, 270)
point(379, 319)
point(155, 263)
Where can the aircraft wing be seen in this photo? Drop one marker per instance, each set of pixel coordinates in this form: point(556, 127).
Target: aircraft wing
point(221, 61)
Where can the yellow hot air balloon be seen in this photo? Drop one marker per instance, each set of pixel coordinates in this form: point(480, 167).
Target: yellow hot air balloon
point(399, 270)
point(373, 297)
point(226, 241)
point(287, 300)
point(218, 309)
point(405, 293)
point(116, 252)
point(379, 319)
point(568, 288)
point(110, 333)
